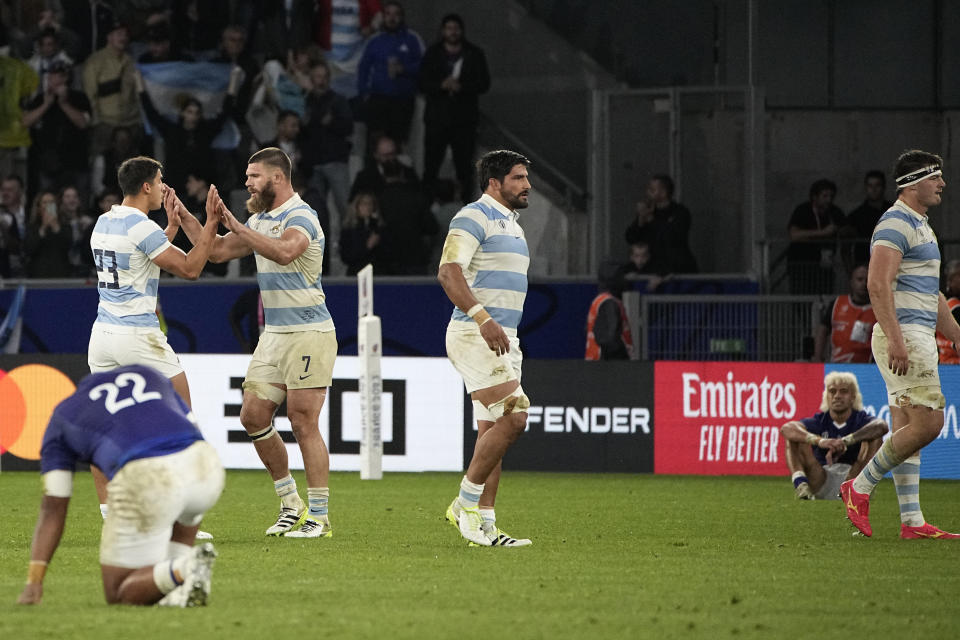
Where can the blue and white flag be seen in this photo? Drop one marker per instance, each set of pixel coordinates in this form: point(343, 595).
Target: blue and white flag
point(167, 82)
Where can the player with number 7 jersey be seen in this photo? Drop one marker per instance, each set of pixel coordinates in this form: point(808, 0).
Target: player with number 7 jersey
point(129, 249)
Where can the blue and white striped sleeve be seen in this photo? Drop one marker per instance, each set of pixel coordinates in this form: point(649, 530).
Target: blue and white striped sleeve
point(148, 237)
point(467, 231)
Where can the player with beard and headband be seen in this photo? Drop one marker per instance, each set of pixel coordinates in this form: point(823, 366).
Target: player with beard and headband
point(483, 270)
point(294, 357)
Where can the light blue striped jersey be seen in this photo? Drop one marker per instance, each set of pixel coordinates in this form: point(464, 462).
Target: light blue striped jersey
point(488, 244)
point(916, 290)
point(293, 299)
point(124, 243)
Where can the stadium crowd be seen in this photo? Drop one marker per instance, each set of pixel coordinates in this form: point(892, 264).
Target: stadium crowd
point(202, 85)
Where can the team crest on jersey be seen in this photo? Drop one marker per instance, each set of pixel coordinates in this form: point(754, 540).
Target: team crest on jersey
point(275, 229)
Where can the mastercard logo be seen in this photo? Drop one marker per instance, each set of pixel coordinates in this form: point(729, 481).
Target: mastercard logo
point(28, 396)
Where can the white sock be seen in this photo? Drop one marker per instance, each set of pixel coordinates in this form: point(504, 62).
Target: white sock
point(177, 549)
point(286, 488)
point(103, 511)
point(469, 493)
point(163, 575)
point(318, 499)
point(488, 515)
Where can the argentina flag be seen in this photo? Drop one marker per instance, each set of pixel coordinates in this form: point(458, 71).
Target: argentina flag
point(167, 82)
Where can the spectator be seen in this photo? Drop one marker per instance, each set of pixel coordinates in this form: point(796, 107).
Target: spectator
point(453, 75)
point(110, 83)
point(233, 51)
point(188, 141)
point(835, 444)
point(342, 37)
point(384, 158)
point(105, 165)
point(948, 350)
point(92, 21)
point(9, 242)
point(405, 211)
point(665, 225)
point(326, 143)
point(49, 238)
point(288, 137)
point(13, 217)
point(18, 83)
point(361, 234)
point(387, 76)
point(639, 266)
point(71, 209)
point(47, 52)
point(58, 119)
point(282, 88)
point(813, 228)
point(864, 218)
point(160, 46)
point(847, 324)
point(608, 329)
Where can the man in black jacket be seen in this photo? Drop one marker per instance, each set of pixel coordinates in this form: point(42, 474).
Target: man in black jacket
point(453, 74)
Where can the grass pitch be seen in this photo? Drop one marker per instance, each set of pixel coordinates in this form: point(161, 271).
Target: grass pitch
point(614, 556)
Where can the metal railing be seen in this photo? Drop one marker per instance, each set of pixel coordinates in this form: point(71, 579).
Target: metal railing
point(776, 328)
point(828, 275)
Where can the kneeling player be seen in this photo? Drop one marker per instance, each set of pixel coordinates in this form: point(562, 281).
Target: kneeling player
point(834, 445)
point(131, 424)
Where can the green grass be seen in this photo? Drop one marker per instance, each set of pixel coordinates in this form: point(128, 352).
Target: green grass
point(614, 556)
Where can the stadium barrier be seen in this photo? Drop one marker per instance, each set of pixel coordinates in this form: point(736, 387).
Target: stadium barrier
point(703, 418)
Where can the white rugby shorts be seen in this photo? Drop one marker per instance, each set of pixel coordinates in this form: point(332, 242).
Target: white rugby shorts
point(146, 496)
point(480, 367)
point(118, 347)
point(920, 386)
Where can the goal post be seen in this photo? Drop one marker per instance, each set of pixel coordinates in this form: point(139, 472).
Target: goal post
point(370, 383)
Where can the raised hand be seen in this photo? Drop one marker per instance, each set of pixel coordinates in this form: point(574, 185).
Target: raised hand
point(228, 220)
point(170, 205)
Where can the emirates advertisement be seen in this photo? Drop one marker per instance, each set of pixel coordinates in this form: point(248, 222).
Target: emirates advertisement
point(724, 418)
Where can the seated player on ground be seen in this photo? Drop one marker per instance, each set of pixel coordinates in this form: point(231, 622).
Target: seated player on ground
point(832, 446)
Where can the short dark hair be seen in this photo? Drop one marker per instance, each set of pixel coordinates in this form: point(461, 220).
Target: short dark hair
point(133, 172)
point(286, 113)
point(452, 17)
point(667, 183)
point(912, 160)
point(822, 185)
point(876, 173)
point(16, 178)
point(497, 164)
point(274, 157)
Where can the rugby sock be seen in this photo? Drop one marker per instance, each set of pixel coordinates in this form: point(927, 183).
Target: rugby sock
point(103, 511)
point(469, 493)
point(287, 490)
point(177, 549)
point(906, 477)
point(317, 499)
point(798, 478)
point(883, 461)
point(168, 575)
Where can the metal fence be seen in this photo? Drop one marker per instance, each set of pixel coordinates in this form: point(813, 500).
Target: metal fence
point(776, 328)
